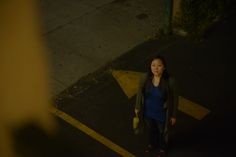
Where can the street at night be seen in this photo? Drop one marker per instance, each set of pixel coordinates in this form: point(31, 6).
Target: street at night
point(94, 100)
point(205, 75)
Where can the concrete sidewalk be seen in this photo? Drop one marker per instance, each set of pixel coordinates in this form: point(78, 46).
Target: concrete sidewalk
point(84, 35)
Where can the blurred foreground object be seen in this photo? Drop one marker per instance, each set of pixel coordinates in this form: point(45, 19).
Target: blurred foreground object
point(24, 79)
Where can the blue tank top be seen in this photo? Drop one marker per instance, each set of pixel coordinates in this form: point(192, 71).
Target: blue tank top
point(154, 104)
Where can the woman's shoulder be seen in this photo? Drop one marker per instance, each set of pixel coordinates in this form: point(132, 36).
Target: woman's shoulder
point(143, 78)
point(171, 79)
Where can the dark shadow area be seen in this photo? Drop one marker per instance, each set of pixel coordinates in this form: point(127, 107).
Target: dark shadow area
point(31, 141)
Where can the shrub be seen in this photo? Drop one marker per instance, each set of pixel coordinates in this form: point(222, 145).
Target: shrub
point(196, 16)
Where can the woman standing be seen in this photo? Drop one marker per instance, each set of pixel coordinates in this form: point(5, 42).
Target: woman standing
point(156, 103)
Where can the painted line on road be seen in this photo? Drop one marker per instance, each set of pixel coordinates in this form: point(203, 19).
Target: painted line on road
point(193, 109)
point(128, 81)
point(77, 124)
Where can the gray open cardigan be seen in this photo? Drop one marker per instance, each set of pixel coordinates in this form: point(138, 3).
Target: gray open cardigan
point(170, 104)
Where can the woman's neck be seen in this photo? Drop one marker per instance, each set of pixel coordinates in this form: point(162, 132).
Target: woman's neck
point(156, 77)
point(156, 80)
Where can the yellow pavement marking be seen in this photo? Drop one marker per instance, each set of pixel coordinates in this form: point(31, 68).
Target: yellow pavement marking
point(193, 109)
point(129, 81)
point(108, 143)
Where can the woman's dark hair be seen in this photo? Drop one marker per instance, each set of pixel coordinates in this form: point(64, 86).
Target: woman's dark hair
point(163, 85)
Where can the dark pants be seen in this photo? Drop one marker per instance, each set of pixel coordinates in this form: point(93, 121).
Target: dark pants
point(156, 133)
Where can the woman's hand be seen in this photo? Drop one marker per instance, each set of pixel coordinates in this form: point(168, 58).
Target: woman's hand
point(136, 112)
point(172, 121)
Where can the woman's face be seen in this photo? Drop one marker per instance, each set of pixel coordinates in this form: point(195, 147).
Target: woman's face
point(157, 67)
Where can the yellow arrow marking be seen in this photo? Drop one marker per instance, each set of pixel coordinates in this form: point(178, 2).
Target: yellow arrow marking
point(129, 81)
point(193, 109)
point(77, 124)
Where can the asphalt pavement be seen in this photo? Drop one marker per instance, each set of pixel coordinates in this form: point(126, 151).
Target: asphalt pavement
point(204, 71)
